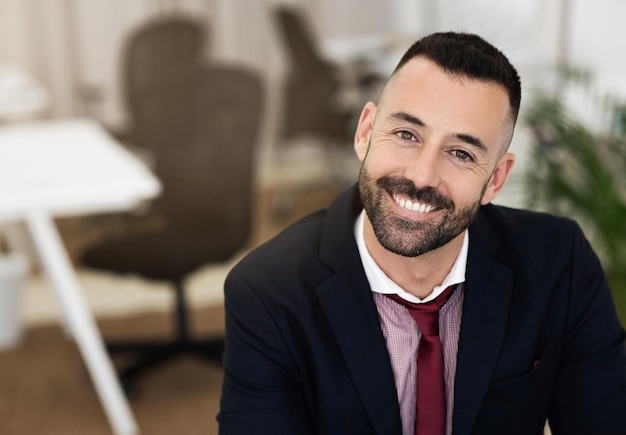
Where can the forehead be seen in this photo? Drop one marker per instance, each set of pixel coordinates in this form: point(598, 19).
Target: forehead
point(423, 89)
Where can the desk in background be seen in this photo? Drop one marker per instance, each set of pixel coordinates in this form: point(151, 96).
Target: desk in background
point(67, 168)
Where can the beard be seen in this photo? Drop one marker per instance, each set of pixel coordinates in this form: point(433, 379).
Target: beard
point(403, 236)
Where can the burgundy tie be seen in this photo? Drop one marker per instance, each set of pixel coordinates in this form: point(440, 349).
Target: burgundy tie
point(430, 417)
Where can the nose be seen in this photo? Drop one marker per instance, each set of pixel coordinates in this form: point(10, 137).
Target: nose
point(424, 167)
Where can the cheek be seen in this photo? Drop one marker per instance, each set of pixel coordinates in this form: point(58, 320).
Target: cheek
point(465, 189)
point(379, 163)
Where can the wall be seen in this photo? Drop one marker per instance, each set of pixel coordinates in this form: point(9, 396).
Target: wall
point(73, 46)
point(34, 36)
point(597, 40)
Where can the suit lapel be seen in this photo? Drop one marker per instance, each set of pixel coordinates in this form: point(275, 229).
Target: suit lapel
point(347, 302)
point(485, 311)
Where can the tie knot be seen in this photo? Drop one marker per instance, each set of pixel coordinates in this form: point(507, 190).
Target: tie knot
point(426, 314)
point(427, 319)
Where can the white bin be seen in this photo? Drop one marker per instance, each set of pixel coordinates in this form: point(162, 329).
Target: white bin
point(13, 269)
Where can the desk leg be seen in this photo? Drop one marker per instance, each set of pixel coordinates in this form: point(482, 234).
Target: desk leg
point(60, 272)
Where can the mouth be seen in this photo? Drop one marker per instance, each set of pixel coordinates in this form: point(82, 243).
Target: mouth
point(414, 206)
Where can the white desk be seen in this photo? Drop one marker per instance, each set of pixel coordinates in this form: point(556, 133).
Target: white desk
point(71, 167)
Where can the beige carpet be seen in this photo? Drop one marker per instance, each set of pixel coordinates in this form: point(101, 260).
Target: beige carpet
point(46, 390)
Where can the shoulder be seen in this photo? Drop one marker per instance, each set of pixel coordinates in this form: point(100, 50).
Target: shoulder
point(530, 226)
point(299, 239)
point(544, 251)
point(522, 237)
point(311, 245)
point(274, 276)
point(523, 218)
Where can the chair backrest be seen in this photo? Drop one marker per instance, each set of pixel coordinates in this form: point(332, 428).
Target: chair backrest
point(155, 55)
point(300, 43)
point(203, 137)
point(311, 86)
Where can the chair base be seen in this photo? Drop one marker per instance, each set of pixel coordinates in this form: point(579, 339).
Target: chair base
point(150, 354)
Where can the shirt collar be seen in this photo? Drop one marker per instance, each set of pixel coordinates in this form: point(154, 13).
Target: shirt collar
point(381, 283)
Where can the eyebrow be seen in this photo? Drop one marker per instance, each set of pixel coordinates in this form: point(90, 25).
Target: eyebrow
point(471, 140)
point(403, 116)
point(465, 137)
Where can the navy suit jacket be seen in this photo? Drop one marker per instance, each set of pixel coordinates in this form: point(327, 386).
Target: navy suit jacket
point(539, 336)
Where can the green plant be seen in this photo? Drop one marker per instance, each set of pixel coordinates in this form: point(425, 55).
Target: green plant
point(580, 172)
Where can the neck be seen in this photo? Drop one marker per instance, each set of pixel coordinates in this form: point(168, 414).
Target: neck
point(416, 275)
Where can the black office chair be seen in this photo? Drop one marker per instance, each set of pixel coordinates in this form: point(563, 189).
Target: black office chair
point(157, 54)
point(202, 131)
point(311, 103)
point(314, 107)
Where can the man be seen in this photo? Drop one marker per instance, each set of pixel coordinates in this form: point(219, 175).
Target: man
point(320, 333)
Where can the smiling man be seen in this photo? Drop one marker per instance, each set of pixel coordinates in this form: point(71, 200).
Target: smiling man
point(412, 305)
point(432, 154)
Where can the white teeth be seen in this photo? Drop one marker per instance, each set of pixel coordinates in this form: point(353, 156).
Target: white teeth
point(413, 206)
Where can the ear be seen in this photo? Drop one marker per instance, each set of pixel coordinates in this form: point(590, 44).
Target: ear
point(364, 130)
point(498, 178)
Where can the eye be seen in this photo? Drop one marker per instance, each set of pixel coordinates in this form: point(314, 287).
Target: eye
point(406, 136)
point(463, 156)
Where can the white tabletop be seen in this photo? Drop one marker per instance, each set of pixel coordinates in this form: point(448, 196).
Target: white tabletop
point(67, 167)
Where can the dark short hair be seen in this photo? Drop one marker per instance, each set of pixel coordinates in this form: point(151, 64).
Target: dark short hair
point(468, 55)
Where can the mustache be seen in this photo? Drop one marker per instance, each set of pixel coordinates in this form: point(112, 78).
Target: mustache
point(404, 186)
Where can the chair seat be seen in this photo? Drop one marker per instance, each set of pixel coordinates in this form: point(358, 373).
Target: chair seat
point(158, 255)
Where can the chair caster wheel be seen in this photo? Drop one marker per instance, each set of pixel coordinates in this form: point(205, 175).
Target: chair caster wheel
point(130, 388)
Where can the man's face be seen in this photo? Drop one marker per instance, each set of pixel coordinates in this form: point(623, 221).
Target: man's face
point(431, 154)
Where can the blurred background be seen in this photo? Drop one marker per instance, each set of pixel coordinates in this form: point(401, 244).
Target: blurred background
point(257, 100)
point(73, 49)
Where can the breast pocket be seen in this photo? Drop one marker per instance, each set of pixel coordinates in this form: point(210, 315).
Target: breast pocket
point(521, 405)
